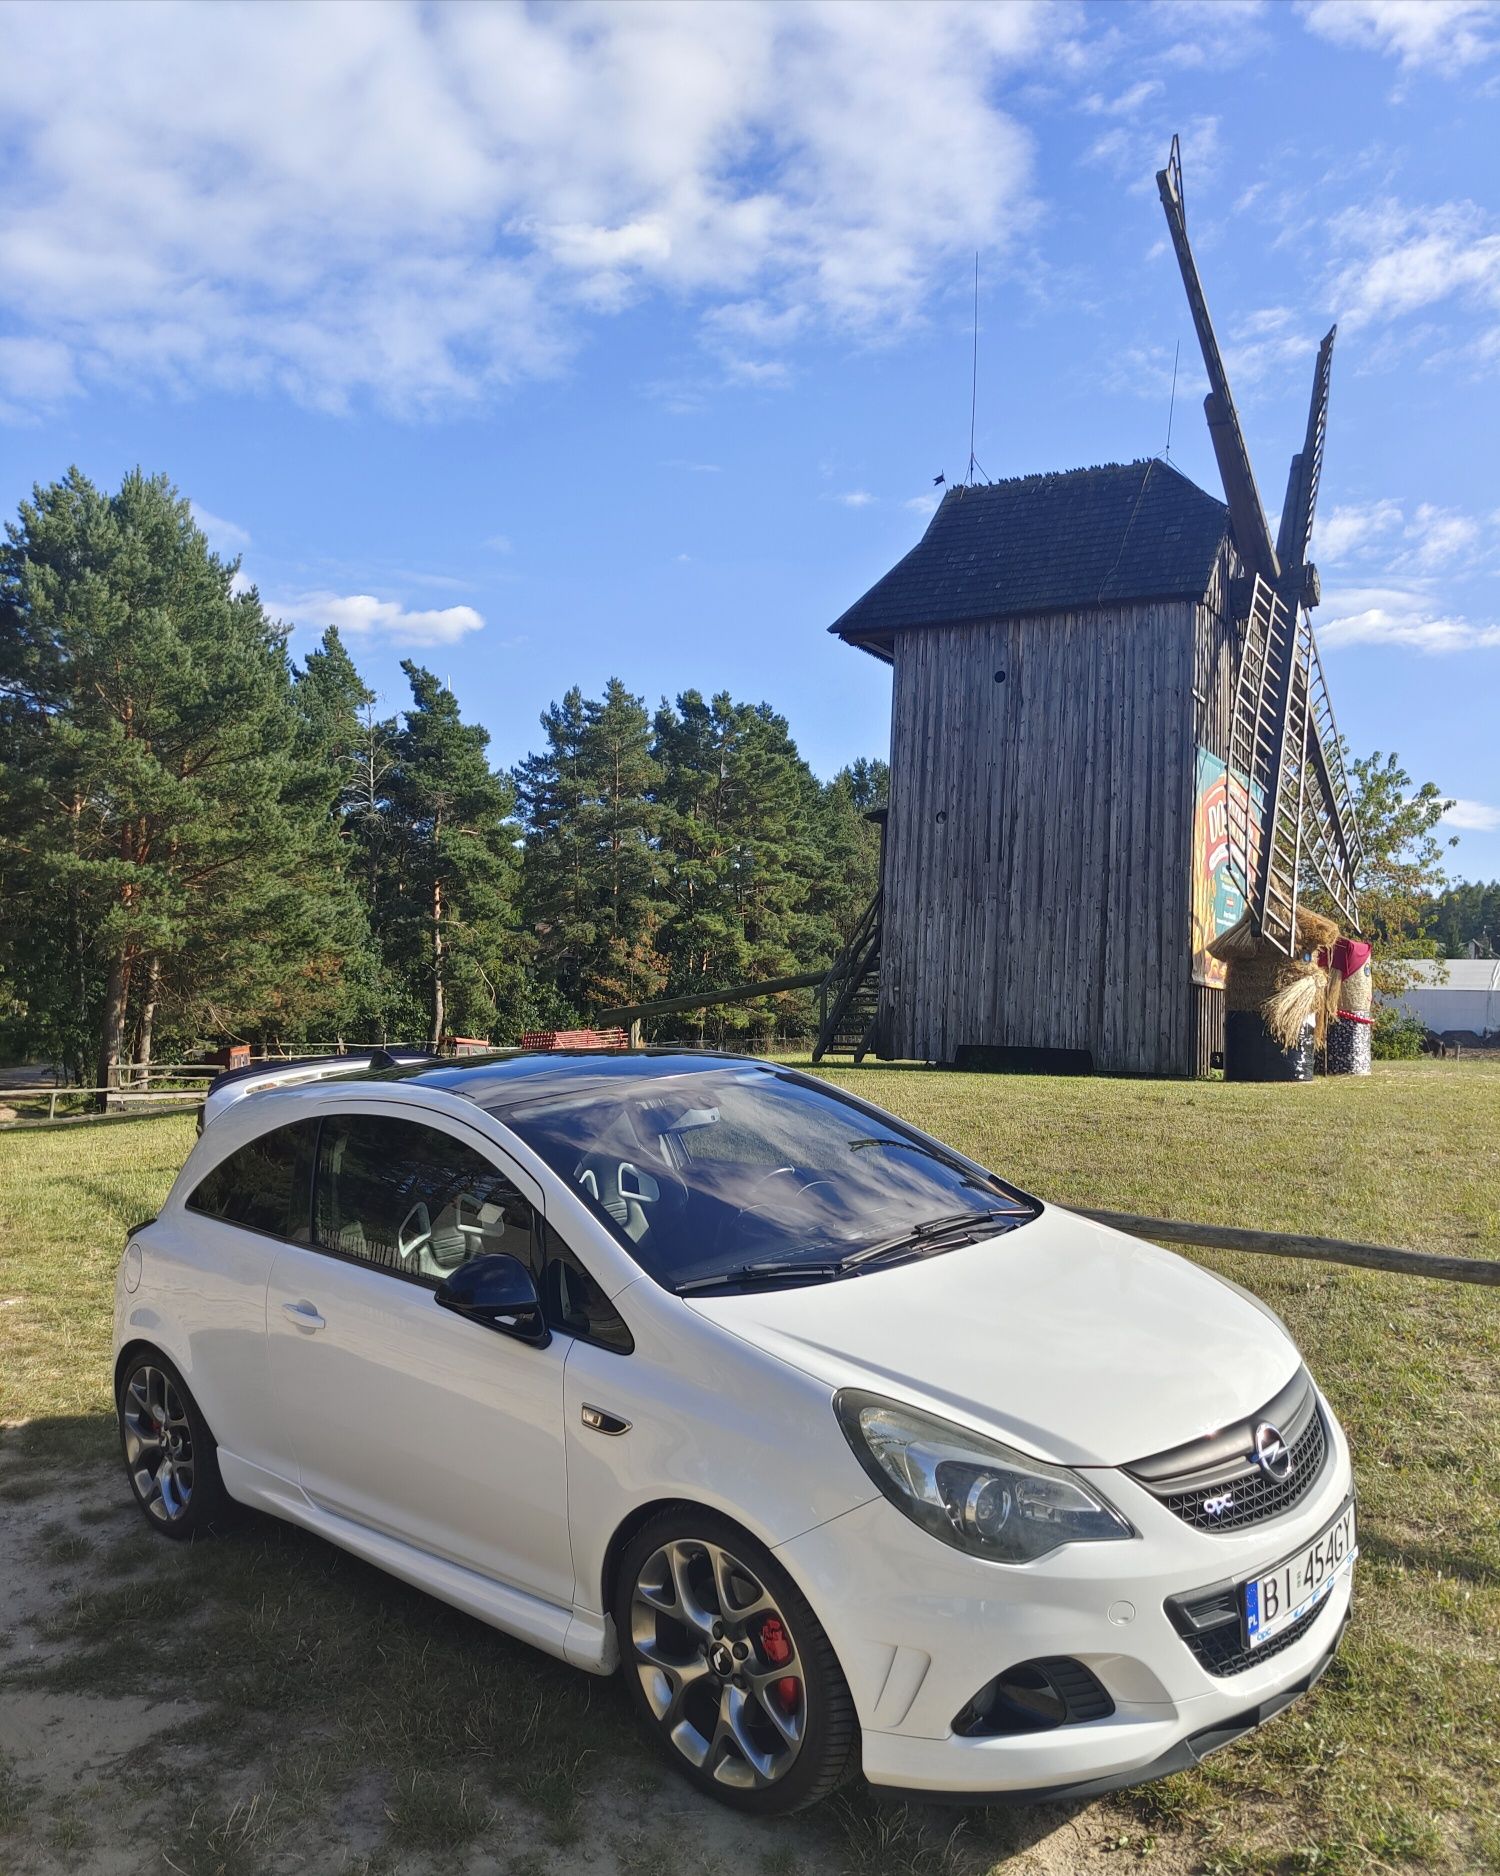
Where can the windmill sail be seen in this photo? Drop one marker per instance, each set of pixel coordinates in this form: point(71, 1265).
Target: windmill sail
point(1330, 837)
point(1295, 532)
point(1246, 514)
point(1265, 776)
point(1291, 809)
point(1290, 803)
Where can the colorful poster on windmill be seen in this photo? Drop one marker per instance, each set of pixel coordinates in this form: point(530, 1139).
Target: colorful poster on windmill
point(1218, 901)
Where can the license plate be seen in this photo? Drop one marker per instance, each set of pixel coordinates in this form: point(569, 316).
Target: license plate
point(1282, 1596)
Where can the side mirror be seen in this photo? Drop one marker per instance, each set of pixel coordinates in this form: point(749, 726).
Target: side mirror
point(497, 1290)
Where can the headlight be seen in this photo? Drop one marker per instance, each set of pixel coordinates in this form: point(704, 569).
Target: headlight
point(969, 1490)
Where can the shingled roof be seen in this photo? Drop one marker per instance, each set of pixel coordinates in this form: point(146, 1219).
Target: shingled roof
point(1047, 543)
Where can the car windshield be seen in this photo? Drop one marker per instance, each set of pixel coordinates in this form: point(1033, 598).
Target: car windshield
point(740, 1172)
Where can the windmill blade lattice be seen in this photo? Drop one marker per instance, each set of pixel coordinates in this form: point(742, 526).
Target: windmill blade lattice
point(1266, 769)
point(1290, 804)
point(1295, 532)
point(1330, 828)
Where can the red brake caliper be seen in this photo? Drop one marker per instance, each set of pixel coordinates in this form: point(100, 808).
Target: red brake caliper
point(776, 1651)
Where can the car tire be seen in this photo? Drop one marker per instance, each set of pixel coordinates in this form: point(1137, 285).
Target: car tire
point(170, 1455)
point(728, 1668)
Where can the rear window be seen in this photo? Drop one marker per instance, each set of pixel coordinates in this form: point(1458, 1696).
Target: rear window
point(264, 1186)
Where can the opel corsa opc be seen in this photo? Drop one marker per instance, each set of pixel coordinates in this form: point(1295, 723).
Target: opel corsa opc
point(849, 1454)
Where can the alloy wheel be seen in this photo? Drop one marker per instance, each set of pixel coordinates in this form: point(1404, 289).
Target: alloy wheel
point(158, 1444)
point(718, 1664)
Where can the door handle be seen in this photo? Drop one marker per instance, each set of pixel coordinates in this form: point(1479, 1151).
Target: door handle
point(304, 1315)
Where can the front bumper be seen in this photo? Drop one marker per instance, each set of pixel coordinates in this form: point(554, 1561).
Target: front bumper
point(1181, 1757)
point(919, 1627)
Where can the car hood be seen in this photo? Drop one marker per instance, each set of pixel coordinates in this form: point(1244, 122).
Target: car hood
point(1074, 1342)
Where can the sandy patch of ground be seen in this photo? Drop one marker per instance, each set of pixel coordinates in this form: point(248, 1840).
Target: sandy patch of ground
point(123, 1785)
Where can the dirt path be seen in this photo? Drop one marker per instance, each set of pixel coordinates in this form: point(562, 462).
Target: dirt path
point(103, 1778)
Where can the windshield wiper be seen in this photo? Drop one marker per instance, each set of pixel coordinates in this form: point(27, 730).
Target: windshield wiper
point(930, 1231)
point(919, 1146)
point(756, 1273)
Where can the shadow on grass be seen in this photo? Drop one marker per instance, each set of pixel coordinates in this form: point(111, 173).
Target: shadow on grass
point(1448, 1560)
point(342, 1687)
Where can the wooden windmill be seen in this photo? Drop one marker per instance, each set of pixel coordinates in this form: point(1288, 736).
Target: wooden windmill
point(1290, 808)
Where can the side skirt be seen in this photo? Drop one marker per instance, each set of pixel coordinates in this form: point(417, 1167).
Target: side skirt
point(581, 1639)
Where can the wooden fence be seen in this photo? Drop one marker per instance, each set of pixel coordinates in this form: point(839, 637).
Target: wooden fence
point(1293, 1244)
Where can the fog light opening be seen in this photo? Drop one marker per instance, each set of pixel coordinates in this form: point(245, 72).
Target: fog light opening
point(1034, 1697)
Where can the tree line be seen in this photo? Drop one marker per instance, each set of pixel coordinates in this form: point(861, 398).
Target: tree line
point(1468, 914)
point(202, 838)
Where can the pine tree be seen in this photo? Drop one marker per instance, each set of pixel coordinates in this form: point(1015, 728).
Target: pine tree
point(333, 750)
point(850, 846)
point(591, 870)
point(445, 907)
point(152, 835)
point(1467, 914)
point(739, 849)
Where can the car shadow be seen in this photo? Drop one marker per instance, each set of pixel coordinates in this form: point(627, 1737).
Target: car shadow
point(274, 1657)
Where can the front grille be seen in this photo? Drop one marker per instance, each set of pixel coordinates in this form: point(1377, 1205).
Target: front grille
point(1221, 1650)
point(1215, 1484)
point(1255, 1496)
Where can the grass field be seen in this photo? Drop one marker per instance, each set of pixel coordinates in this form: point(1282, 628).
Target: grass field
point(326, 1717)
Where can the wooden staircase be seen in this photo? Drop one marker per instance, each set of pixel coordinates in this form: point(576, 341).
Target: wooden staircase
point(849, 996)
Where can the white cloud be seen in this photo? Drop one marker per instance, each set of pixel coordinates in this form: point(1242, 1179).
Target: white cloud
point(1399, 615)
point(226, 538)
point(1267, 342)
point(1352, 526)
point(855, 498)
point(1401, 260)
point(1430, 541)
point(1135, 152)
point(1473, 817)
point(33, 372)
point(1445, 35)
point(923, 504)
point(1126, 103)
point(362, 615)
point(1442, 536)
point(499, 543)
point(417, 204)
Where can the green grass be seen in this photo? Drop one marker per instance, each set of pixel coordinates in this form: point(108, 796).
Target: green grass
point(340, 1688)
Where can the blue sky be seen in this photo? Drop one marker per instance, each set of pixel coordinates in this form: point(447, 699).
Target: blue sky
point(548, 344)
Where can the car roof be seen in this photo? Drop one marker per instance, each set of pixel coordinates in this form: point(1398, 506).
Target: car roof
point(499, 1082)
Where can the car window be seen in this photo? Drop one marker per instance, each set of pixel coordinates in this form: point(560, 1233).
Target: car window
point(575, 1304)
point(415, 1201)
point(702, 1172)
point(264, 1186)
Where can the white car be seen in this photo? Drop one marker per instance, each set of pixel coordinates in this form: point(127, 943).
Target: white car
point(850, 1454)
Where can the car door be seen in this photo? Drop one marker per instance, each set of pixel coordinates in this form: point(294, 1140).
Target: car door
point(440, 1431)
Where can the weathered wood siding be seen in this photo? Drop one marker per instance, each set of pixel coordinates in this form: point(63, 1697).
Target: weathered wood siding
point(1039, 843)
point(1213, 697)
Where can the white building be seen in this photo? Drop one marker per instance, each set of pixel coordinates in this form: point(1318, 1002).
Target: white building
point(1468, 1000)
